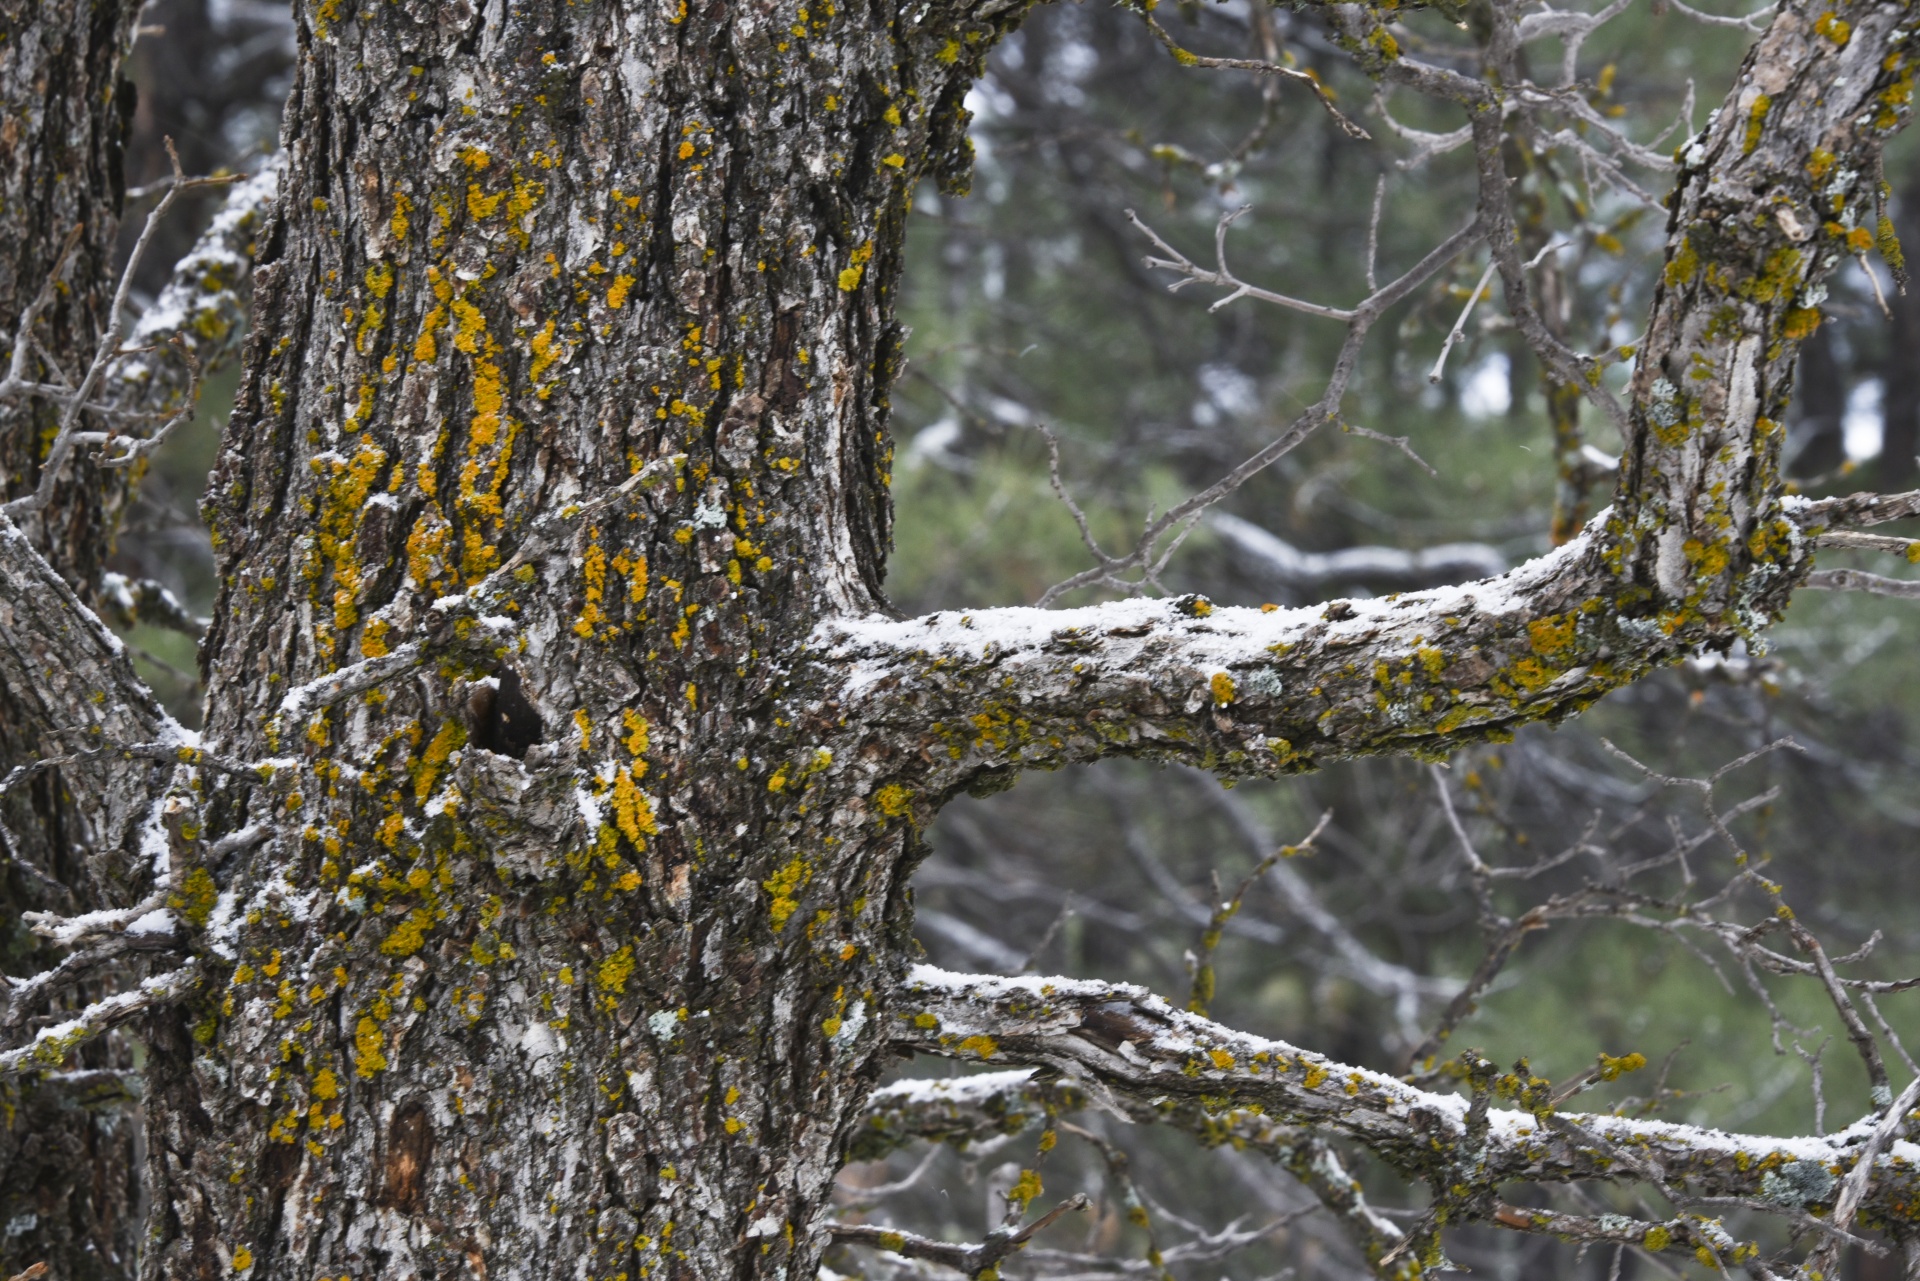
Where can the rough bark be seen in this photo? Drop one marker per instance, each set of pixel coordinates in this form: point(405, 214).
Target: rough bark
point(563, 772)
point(555, 954)
point(68, 1182)
point(66, 107)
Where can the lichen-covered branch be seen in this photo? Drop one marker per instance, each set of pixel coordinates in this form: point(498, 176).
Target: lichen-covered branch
point(963, 1112)
point(51, 1046)
point(1125, 1048)
point(1696, 551)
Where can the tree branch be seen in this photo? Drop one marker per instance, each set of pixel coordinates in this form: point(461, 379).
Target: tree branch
point(1132, 1052)
point(70, 678)
point(51, 1046)
point(1696, 551)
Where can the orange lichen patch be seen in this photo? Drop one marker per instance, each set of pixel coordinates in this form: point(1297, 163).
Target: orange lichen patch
point(368, 1046)
point(484, 473)
point(784, 889)
point(451, 736)
point(856, 267)
point(1801, 322)
point(543, 353)
point(632, 566)
point(632, 811)
point(636, 739)
point(1756, 123)
point(526, 194)
point(349, 481)
point(1551, 635)
point(424, 347)
point(617, 292)
point(428, 565)
point(894, 801)
point(593, 572)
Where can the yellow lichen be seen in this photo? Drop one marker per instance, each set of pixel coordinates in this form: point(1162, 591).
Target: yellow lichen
point(613, 973)
point(896, 801)
point(783, 887)
point(368, 1047)
point(984, 1046)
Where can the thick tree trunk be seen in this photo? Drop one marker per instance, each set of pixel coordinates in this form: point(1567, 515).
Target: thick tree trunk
point(571, 351)
point(68, 1187)
point(543, 870)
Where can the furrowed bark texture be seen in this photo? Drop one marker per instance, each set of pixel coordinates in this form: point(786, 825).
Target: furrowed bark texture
point(1696, 549)
point(551, 523)
point(66, 108)
point(68, 1169)
point(563, 956)
point(67, 1181)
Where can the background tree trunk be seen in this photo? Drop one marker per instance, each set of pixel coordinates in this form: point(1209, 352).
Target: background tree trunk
point(1900, 439)
point(68, 1145)
point(554, 952)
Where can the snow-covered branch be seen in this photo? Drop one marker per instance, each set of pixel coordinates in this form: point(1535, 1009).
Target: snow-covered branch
point(51, 1045)
point(74, 686)
point(1697, 551)
point(1245, 691)
point(1131, 1052)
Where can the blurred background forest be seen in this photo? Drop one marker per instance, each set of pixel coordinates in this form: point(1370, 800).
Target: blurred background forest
point(1031, 309)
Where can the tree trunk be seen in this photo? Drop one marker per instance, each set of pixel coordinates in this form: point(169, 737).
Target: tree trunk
point(1900, 388)
point(68, 1187)
point(543, 868)
point(572, 342)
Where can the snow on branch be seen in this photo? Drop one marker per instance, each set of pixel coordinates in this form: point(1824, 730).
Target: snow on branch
point(1133, 1053)
point(90, 394)
point(51, 1045)
point(1237, 690)
point(1699, 550)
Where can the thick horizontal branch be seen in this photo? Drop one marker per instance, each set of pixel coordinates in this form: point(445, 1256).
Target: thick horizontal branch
point(1247, 691)
point(1698, 549)
point(1130, 1051)
point(968, 1111)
